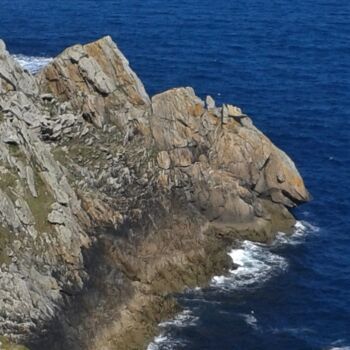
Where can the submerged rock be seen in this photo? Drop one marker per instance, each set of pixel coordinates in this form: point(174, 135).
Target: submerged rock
point(109, 198)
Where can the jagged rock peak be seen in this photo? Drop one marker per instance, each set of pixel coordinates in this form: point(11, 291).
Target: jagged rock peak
point(147, 209)
point(40, 235)
point(98, 81)
point(13, 77)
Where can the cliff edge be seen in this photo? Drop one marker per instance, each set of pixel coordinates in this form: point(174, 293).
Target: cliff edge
point(111, 199)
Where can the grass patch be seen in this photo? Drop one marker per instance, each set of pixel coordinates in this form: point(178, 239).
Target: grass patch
point(16, 152)
point(5, 344)
point(40, 206)
point(60, 155)
point(5, 239)
point(8, 180)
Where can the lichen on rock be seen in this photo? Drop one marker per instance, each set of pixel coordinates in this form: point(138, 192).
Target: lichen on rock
point(111, 200)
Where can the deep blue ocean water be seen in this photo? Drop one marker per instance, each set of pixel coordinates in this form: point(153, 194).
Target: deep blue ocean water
point(287, 64)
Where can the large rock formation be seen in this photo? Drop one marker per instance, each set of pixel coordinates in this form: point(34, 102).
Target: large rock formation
point(110, 198)
point(40, 234)
point(97, 80)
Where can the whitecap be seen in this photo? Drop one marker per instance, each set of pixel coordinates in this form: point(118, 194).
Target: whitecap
point(301, 230)
point(255, 264)
point(302, 227)
point(165, 341)
point(183, 319)
point(158, 342)
point(32, 63)
point(338, 345)
point(250, 319)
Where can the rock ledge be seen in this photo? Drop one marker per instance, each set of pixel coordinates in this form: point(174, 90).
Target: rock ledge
point(110, 200)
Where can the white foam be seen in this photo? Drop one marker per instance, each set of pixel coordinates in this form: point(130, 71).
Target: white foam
point(183, 319)
point(157, 342)
point(338, 345)
point(255, 264)
point(164, 341)
point(250, 319)
point(32, 63)
point(301, 230)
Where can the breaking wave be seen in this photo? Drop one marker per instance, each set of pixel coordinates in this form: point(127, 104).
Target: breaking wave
point(165, 341)
point(338, 345)
point(301, 230)
point(250, 319)
point(254, 264)
point(32, 63)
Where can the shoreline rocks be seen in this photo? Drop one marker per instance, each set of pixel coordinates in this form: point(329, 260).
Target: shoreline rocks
point(111, 200)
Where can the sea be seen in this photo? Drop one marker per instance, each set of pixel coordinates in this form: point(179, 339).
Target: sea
point(286, 64)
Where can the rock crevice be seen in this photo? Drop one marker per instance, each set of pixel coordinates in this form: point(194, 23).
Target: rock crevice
point(109, 197)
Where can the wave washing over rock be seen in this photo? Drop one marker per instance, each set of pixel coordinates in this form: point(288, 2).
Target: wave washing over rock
point(32, 63)
point(162, 341)
point(254, 264)
point(111, 200)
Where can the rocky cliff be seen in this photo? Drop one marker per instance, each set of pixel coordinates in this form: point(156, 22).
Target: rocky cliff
point(110, 200)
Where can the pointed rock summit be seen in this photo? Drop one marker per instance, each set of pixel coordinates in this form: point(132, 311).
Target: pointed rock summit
point(98, 81)
point(13, 77)
point(111, 200)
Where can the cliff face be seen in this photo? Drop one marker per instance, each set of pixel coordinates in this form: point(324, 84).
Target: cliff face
point(40, 234)
point(111, 198)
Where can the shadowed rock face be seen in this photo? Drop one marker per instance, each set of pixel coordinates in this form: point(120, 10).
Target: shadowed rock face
point(40, 234)
point(154, 190)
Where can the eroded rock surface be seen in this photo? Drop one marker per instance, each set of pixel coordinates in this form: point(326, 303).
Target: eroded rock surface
point(230, 164)
point(39, 258)
point(97, 80)
point(110, 200)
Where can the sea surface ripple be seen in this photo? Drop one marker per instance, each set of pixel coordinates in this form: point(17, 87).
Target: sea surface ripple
point(287, 64)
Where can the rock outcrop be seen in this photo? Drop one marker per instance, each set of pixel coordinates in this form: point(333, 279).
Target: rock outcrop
point(111, 198)
point(97, 80)
point(40, 258)
point(231, 165)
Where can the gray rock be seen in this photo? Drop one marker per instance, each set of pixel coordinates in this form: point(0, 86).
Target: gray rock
point(108, 88)
point(8, 213)
point(210, 102)
point(23, 212)
point(56, 217)
point(182, 177)
point(163, 159)
point(47, 97)
point(13, 77)
point(31, 181)
point(11, 138)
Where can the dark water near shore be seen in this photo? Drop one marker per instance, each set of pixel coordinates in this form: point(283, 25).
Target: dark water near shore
point(287, 63)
